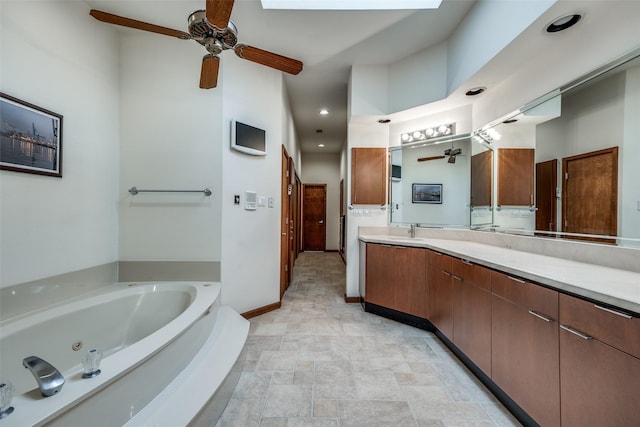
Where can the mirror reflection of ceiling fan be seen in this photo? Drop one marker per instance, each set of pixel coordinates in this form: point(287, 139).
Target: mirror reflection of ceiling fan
point(213, 30)
point(451, 152)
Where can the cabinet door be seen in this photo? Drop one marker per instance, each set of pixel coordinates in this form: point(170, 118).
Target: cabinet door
point(379, 286)
point(515, 176)
point(440, 293)
point(599, 384)
point(409, 276)
point(525, 357)
point(472, 322)
point(368, 176)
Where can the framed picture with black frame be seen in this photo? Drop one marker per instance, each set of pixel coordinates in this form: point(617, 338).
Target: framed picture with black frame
point(426, 193)
point(30, 138)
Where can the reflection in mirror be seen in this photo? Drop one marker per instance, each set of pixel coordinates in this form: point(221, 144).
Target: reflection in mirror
point(430, 182)
point(585, 144)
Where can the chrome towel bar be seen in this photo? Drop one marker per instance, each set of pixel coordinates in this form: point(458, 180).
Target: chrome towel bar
point(135, 190)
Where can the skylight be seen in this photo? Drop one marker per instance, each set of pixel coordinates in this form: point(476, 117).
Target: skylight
point(350, 4)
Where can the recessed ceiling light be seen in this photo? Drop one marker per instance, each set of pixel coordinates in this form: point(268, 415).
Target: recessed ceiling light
point(564, 22)
point(350, 4)
point(318, 130)
point(384, 121)
point(324, 112)
point(475, 91)
point(321, 145)
point(510, 121)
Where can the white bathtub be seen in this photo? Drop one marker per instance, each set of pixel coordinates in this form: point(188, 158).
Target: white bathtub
point(171, 356)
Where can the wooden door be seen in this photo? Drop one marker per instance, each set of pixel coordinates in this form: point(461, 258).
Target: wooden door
point(314, 217)
point(284, 224)
point(590, 193)
point(368, 176)
point(515, 176)
point(292, 216)
point(546, 185)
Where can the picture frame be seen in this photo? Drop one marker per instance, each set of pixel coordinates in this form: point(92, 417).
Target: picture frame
point(426, 193)
point(30, 138)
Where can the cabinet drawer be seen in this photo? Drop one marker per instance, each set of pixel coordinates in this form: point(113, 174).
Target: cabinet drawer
point(441, 261)
point(527, 295)
point(610, 326)
point(472, 273)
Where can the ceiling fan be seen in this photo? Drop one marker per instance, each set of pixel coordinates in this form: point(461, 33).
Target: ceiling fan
point(213, 30)
point(451, 152)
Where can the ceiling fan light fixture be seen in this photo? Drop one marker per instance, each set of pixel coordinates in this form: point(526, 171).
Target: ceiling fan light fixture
point(452, 159)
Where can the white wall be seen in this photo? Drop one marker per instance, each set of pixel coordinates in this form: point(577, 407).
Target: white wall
point(324, 168)
point(56, 56)
point(171, 138)
point(251, 239)
point(629, 170)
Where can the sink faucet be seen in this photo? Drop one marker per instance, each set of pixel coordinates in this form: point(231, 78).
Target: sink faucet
point(49, 379)
point(412, 230)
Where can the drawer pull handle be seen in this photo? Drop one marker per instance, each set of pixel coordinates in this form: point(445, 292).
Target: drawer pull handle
point(617, 313)
point(541, 316)
point(446, 272)
point(456, 277)
point(578, 333)
point(466, 261)
point(515, 279)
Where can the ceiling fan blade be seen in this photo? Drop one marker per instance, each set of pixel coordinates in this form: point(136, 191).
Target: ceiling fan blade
point(138, 25)
point(209, 72)
point(218, 13)
point(273, 60)
point(426, 159)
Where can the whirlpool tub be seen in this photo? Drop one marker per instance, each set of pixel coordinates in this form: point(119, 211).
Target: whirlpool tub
point(171, 357)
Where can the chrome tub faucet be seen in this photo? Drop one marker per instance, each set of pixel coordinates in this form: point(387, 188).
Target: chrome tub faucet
point(49, 379)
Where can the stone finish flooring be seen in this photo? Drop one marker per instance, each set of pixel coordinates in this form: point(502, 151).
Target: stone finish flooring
point(318, 361)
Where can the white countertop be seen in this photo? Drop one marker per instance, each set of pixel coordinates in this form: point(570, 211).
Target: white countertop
point(617, 287)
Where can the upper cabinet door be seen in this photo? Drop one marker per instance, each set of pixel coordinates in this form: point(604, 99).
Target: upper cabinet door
point(368, 176)
point(515, 176)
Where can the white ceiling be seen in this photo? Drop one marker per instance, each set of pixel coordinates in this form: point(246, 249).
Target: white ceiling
point(327, 42)
point(330, 42)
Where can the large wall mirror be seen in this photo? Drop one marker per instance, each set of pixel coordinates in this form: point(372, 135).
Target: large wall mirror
point(568, 164)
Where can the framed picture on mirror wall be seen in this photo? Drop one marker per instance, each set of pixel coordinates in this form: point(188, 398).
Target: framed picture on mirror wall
point(426, 193)
point(30, 138)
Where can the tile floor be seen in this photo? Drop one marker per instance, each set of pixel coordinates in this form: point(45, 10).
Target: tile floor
point(318, 361)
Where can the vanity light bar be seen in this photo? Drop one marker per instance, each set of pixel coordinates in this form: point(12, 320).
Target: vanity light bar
point(428, 133)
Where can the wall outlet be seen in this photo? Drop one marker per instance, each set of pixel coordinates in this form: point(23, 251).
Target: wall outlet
point(270, 202)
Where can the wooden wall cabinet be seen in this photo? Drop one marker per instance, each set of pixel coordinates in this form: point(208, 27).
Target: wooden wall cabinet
point(524, 346)
point(440, 292)
point(516, 176)
point(368, 176)
point(599, 365)
point(472, 312)
point(396, 278)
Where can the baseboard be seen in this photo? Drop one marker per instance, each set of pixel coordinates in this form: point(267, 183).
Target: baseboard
point(350, 300)
point(342, 256)
point(261, 310)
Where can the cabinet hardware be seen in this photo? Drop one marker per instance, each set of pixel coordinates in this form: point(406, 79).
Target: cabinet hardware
point(466, 261)
point(575, 332)
point(446, 272)
point(456, 277)
point(617, 313)
point(541, 316)
point(516, 279)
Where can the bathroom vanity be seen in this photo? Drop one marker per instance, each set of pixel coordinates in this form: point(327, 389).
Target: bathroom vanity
point(556, 340)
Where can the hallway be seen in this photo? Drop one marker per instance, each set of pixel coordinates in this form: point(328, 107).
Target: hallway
point(318, 361)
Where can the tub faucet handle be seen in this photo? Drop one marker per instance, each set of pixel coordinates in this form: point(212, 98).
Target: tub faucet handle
point(6, 394)
point(91, 362)
point(49, 379)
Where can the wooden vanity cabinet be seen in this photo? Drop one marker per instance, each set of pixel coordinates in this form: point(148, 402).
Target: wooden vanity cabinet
point(396, 278)
point(368, 176)
point(440, 293)
point(599, 365)
point(525, 360)
point(516, 176)
point(472, 312)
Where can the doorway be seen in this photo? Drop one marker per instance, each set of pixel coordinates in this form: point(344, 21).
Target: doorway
point(590, 193)
point(314, 212)
point(546, 186)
